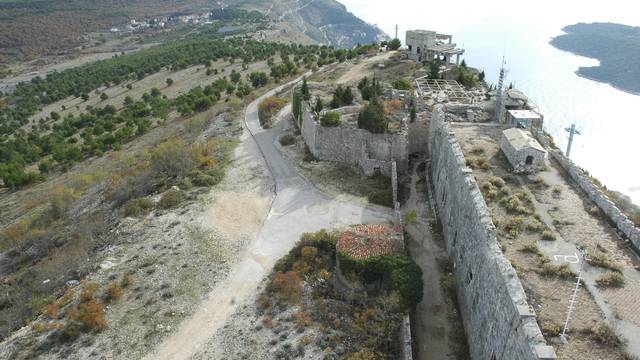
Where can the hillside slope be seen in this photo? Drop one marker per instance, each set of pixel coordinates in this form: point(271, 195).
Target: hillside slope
point(30, 29)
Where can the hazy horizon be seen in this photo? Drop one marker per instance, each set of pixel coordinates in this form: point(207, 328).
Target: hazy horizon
point(417, 14)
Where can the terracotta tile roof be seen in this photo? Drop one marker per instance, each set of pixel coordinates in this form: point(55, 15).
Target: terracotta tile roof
point(364, 241)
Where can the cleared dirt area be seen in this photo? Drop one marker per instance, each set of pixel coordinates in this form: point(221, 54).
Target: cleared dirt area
point(542, 221)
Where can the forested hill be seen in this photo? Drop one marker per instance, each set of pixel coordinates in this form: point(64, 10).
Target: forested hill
point(30, 29)
point(616, 46)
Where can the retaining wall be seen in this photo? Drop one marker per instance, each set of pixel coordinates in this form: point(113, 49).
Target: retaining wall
point(620, 219)
point(355, 147)
point(498, 321)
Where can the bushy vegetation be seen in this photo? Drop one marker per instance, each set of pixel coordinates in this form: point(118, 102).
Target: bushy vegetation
point(138, 207)
point(296, 106)
point(171, 199)
point(268, 108)
point(612, 279)
point(369, 88)
point(287, 140)
point(372, 117)
point(63, 142)
point(342, 96)
point(463, 75)
point(394, 44)
point(395, 273)
point(330, 119)
point(402, 84)
point(302, 280)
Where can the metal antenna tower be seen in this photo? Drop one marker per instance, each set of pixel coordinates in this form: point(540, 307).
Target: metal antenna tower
point(500, 95)
point(572, 302)
point(572, 131)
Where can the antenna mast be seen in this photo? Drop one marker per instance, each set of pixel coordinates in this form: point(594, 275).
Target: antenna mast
point(500, 95)
point(396, 32)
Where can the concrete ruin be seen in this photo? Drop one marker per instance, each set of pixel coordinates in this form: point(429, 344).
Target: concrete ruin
point(498, 321)
point(525, 153)
point(524, 119)
point(426, 45)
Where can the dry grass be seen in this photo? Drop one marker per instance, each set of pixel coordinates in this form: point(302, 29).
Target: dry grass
point(560, 271)
point(605, 335)
point(88, 291)
point(548, 235)
point(612, 279)
point(550, 328)
point(302, 319)
point(127, 280)
point(531, 248)
point(478, 162)
point(600, 259)
point(287, 286)
point(114, 293)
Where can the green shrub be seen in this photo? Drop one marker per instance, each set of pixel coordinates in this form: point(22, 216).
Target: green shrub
point(372, 118)
point(396, 273)
point(287, 140)
point(138, 207)
point(171, 199)
point(342, 97)
point(381, 197)
point(330, 119)
point(402, 84)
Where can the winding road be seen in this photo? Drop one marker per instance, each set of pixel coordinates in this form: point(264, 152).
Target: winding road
point(297, 207)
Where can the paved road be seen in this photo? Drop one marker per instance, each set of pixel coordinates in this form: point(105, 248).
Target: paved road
point(297, 207)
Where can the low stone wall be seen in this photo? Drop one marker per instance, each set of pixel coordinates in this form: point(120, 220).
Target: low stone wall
point(620, 219)
point(498, 321)
point(355, 147)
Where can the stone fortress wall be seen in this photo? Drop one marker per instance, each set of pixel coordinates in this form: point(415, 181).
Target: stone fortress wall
point(498, 321)
point(355, 147)
point(578, 175)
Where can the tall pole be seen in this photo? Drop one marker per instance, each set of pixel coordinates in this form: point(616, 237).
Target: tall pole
point(396, 32)
point(572, 131)
point(499, 98)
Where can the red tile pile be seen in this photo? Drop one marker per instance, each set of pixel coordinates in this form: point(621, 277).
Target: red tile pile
point(364, 241)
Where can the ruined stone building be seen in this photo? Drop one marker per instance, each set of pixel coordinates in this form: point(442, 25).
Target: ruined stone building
point(426, 45)
point(525, 153)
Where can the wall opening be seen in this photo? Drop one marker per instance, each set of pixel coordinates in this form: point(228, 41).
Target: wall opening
point(529, 160)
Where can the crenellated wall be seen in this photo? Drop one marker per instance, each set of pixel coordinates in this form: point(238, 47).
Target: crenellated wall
point(355, 147)
point(498, 321)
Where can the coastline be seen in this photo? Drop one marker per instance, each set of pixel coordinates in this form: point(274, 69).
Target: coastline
point(577, 72)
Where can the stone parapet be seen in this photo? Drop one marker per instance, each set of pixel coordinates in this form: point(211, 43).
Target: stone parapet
point(498, 321)
point(630, 231)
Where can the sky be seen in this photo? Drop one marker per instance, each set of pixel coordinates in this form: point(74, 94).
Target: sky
point(452, 16)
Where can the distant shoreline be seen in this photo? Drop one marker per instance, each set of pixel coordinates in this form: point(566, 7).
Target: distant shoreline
point(577, 72)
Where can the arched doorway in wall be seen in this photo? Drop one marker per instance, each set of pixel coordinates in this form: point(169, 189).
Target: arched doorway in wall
point(529, 160)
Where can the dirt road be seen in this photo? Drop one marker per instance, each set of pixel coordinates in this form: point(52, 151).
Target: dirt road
point(297, 207)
